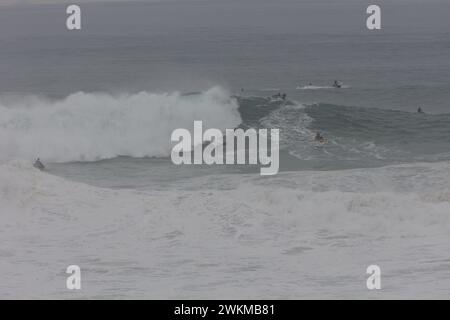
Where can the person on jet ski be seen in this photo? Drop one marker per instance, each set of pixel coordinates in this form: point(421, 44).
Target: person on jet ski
point(336, 84)
point(38, 164)
point(276, 96)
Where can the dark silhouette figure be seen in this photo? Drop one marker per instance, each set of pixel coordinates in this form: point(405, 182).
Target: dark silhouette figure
point(336, 84)
point(38, 164)
point(319, 137)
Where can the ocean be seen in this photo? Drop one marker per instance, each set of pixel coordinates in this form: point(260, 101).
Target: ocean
point(98, 106)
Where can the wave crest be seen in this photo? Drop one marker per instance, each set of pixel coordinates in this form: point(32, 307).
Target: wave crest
point(94, 126)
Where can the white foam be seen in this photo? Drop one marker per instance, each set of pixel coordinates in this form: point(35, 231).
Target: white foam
point(260, 239)
point(93, 126)
point(321, 87)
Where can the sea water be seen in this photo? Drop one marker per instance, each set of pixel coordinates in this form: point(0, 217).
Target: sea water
point(98, 107)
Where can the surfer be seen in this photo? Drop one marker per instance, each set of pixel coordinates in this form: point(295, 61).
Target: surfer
point(38, 164)
point(420, 110)
point(319, 137)
point(283, 96)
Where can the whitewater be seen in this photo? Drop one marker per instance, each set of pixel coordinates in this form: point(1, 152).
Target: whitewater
point(302, 231)
point(94, 126)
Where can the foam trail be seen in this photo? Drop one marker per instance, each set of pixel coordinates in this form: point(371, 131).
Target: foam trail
point(321, 87)
point(93, 126)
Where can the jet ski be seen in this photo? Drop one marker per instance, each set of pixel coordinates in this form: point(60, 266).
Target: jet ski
point(337, 84)
point(39, 165)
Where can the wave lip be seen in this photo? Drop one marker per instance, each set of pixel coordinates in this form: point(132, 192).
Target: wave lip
point(95, 126)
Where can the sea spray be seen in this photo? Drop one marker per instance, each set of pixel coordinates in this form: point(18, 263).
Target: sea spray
point(94, 126)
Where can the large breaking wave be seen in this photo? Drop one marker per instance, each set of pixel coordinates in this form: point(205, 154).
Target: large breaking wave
point(356, 137)
point(93, 126)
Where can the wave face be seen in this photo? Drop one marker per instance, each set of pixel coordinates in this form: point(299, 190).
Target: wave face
point(383, 134)
point(91, 126)
point(356, 137)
